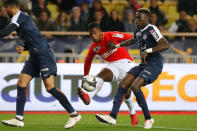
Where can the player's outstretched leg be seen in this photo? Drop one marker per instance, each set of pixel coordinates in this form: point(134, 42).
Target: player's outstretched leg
point(85, 97)
point(74, 116)
point(55, 92)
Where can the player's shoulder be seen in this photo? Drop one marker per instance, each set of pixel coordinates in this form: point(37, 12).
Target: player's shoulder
point(152, 28)
point(93, 44)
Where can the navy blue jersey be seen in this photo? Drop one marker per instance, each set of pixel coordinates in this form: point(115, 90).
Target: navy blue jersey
point(148, 38)
point(28, 32)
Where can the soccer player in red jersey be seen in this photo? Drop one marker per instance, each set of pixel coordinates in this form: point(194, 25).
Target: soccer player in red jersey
point(119, 63)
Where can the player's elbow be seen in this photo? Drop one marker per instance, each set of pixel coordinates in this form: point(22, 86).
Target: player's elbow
point(166, 46)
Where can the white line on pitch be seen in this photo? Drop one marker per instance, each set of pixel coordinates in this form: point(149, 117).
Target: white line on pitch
point(160, 127)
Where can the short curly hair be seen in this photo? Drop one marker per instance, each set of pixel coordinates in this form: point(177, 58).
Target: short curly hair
point(145, 11)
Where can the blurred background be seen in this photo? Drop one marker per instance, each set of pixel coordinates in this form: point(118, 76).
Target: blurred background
point(64, 24)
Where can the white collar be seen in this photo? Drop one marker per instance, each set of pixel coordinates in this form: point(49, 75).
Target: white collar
point(145, 27)
point(17, 14)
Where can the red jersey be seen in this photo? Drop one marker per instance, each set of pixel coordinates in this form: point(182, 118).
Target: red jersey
point(107, 54)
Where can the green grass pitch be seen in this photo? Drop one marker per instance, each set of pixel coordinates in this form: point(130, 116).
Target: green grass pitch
point(55, 122)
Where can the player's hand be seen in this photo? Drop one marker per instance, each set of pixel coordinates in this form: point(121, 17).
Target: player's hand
point(143, 57)
point(20, 49)
point(111, 45)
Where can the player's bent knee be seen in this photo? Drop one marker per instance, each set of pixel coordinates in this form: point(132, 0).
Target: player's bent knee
point(49, 88)
point(128, 93)
point(123, 85)
point(22, 83)
point(135, 88)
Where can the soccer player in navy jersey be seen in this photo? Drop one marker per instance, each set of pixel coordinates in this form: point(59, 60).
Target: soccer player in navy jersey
point(151, 43)
point(41, 61)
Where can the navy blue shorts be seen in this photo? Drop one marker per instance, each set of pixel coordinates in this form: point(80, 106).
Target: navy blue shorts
point(149, 72)
point(41, 64)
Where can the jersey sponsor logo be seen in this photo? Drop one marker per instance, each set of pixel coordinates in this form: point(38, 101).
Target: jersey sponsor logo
point(97, 48)
point(118, 35)
point(154, 34)
point(106, 54)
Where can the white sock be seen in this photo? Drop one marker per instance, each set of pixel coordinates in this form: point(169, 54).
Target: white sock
point(19, 117)
point(99, 85)
point(73, 113)
point(130, 105)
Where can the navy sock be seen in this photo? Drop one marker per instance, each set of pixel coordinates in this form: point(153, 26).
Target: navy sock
point(62, 99)
point(117, 102)
point(20, 100)
point(142, 103)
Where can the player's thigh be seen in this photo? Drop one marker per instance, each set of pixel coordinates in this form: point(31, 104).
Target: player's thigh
point(111, 72)
point(137, 84)
point(105, 74)
point(49, 82)
point(47, 67)
point(24, 80)
point(150, 73)
point(124, 66)
point(31, 67)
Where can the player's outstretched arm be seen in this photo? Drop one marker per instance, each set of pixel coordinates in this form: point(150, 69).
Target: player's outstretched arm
point(162, 45)
point(128, 42)
point(7, 30)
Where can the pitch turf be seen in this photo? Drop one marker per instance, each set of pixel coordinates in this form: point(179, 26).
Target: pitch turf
point(55, 122)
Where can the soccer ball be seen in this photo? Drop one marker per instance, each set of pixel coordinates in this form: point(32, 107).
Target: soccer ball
point(89, 83)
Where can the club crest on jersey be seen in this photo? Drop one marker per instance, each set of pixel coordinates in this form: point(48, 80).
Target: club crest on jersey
point(138, 34)
point(145, 37)
point(97, 48)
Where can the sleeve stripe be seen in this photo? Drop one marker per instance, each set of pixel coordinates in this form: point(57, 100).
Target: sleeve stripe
point(156, 34)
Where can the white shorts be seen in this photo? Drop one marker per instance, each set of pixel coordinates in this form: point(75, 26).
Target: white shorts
point(120, 68)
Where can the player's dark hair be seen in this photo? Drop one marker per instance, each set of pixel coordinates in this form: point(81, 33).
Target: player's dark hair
point(11, 3)
point(93, 25)
point(145, 11)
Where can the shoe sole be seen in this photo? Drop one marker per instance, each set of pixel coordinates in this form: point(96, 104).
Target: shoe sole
point(102, 120)
point(80, 93)
point(4, 123)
